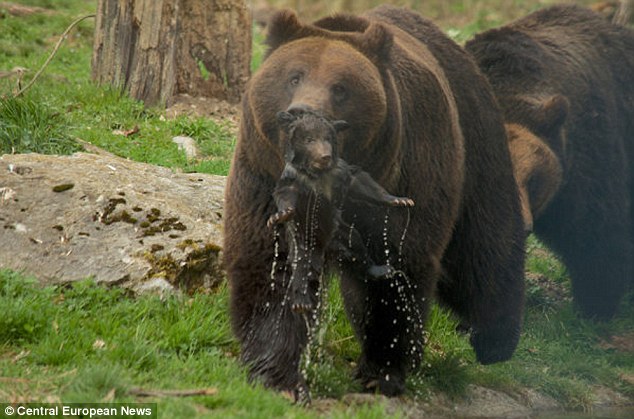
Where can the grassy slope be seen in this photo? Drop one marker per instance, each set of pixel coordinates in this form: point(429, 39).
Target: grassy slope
point(78, 343)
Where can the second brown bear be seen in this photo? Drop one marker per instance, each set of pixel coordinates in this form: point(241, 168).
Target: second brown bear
point(565, 76)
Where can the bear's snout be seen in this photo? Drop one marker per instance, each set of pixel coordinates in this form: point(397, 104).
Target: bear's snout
point(321, 152)
point(323, 162)
point(299, 108)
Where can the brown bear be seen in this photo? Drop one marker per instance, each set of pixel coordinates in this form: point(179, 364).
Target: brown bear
point(424, 124)
point(566, 76)
point(309, 196)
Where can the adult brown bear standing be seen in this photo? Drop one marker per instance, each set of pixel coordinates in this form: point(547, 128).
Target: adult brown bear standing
point(424, 124)
point(566, 76)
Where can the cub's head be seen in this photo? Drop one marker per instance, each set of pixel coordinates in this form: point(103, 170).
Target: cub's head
point(310, 141)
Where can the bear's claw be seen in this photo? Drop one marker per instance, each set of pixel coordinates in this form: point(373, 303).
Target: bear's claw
point(280, 217)
point(402, 202)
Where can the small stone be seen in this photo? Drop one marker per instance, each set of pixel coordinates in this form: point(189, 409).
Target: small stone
point(155, 286)
point(188, 145)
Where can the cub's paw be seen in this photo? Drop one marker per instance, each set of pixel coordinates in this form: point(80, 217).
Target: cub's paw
point(402, 202)
point(280, 217)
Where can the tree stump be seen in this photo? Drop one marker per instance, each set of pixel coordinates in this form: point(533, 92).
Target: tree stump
point(157, 49)
point(623, 13)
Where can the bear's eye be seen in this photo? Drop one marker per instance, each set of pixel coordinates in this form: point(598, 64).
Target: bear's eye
point(339, 92)
point(295, 79)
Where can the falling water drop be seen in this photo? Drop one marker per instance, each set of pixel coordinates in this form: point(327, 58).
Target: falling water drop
point(402, 241)
point(385, 238)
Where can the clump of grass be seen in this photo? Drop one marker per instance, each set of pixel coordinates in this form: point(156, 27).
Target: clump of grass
point(96, 381)
point(27, 126)
point(446, 364)
point(26, 309)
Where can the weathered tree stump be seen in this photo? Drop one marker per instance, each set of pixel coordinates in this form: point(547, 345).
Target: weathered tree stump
point(157, 49)
point(623, 14)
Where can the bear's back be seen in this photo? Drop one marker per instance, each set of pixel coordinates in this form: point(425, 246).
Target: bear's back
point(563, 49)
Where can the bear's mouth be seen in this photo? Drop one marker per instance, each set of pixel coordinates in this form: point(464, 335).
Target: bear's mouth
point(318, 169)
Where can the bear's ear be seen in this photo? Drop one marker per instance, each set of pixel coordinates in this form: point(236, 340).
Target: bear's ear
point(552, 113)
point(340, 125)
point(376, 42)
point(285, 27)
point(285, 119)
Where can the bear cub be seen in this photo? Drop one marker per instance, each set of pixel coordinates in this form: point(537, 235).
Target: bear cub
point(309, 195)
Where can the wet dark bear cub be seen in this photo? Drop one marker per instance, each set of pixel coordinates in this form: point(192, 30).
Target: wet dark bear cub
point(309, 196)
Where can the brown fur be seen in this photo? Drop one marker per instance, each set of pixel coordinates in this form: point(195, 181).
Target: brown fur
point(537, 167)
point(424, 124)
point(566, 76)
point(537, 172)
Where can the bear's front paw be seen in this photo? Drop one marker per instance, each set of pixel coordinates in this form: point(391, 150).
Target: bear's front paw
point(299, 395)
point(386, 384)
point(495, 344)
point(280, 217)
point(302, 394)
point(373, 379)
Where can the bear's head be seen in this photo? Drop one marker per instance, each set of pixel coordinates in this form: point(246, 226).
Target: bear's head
point(544, 116)
point(310, 141)
point(338, 74)
point(537, 145)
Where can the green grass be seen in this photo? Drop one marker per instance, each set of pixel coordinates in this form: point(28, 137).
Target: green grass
point(81, 342)
point(27, 126)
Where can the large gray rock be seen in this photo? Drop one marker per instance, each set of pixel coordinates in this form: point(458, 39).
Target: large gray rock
point(66, 218)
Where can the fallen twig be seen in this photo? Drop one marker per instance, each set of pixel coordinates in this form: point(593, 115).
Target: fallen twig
point(141, 392)
point(50, 57)
point(91, 148)
point(14, 380)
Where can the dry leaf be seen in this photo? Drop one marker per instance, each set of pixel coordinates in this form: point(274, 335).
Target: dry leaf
point(99, 344)
point(109, 397)
point(20, 356)
point(127, 132)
